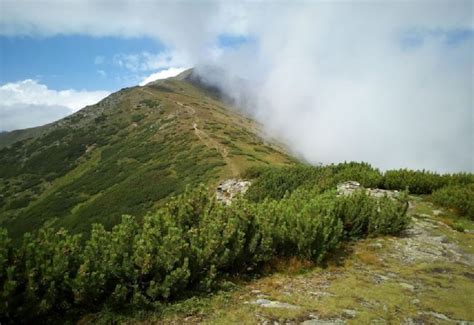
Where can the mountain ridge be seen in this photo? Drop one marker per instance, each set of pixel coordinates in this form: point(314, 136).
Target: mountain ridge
point(126, 155)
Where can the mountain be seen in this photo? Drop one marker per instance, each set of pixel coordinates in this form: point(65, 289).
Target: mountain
point(126, 155)
point(9, 138)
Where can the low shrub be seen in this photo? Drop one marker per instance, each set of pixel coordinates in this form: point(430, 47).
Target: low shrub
point(274, 182)
point(458, 197)
point(363, 215)
point(421, 181)
point(182, 248)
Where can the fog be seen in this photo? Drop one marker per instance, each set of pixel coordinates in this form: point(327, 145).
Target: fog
point(390, 84)
point(385, 82)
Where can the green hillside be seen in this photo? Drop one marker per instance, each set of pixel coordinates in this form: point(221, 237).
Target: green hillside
point(284, 252)
point(125, 155)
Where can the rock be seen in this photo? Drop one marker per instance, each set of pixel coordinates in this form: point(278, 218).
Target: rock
point(420, 244)
point(376, 192)
point(379, 278)
point(435, 315)
point(273, 304)
point(407, 286)
point(229, 189)
point(376, 245)
point(320, 294)
point(440, 316)
point(347, 188)
point(323, 322)
point(349, 313)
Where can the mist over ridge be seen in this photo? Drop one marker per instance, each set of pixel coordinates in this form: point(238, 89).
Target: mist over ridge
point(386, 82)
point(386, 86)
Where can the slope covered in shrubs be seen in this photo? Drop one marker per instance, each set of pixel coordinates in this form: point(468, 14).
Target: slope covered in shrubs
point(182, 248)
point(193, 242)
point(274, 182)
point(460, 198)
point(125, 155)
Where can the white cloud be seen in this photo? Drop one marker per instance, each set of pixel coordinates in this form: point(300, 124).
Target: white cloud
point(168, 73)
point(99, 59)
point(335, 82)
point(332, 78)
point(146, 61)
point(22, 116)
point(28, 103)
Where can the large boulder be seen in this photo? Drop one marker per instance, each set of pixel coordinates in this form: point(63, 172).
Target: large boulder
point(230, 188)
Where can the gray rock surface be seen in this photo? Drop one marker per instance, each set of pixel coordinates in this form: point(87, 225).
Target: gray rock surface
point(349, 187)
point(266, 303)
point(230, 188)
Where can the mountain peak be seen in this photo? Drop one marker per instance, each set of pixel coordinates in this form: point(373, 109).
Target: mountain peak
point(138, 146)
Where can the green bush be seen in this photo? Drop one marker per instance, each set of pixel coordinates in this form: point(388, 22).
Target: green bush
point(460, 198)
point(421, 181)
point(363, 215)
point(8, 277)
point(417, 182)
point(182, 248)
point(303, 225)
point(137, 117)
point(274, 182)
point(43, 269)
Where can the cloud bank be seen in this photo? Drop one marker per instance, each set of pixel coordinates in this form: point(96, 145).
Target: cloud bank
point(28, 103)
point(386, 82)
point(167, 73)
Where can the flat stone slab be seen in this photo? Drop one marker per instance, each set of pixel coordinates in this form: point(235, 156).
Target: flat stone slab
point(323, 322)
point(273, 304)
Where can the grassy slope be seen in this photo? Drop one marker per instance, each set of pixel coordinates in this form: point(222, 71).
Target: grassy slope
point(126, 155)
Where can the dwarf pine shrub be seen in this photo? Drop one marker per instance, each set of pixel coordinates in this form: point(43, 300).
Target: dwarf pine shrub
point(182, 248)
point(422, 181)
point(460, 198)
point(363, 215)
point(274, 182)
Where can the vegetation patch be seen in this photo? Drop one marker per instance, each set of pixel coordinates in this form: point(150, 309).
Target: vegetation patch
point(187, 246)
point(460, 198)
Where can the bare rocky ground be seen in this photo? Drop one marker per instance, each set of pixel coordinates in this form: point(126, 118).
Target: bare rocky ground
point(424, 276)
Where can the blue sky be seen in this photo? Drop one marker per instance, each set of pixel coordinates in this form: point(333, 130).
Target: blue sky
point(81, 61)
point(64, 62)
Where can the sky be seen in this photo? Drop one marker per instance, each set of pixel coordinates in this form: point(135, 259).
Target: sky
point(388, 82)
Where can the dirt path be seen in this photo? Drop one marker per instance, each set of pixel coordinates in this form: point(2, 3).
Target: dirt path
point(209, 141)
point(148, 92)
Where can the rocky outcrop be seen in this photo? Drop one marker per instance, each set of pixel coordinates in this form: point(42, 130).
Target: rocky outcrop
point(349, 187)
point(229, 189)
